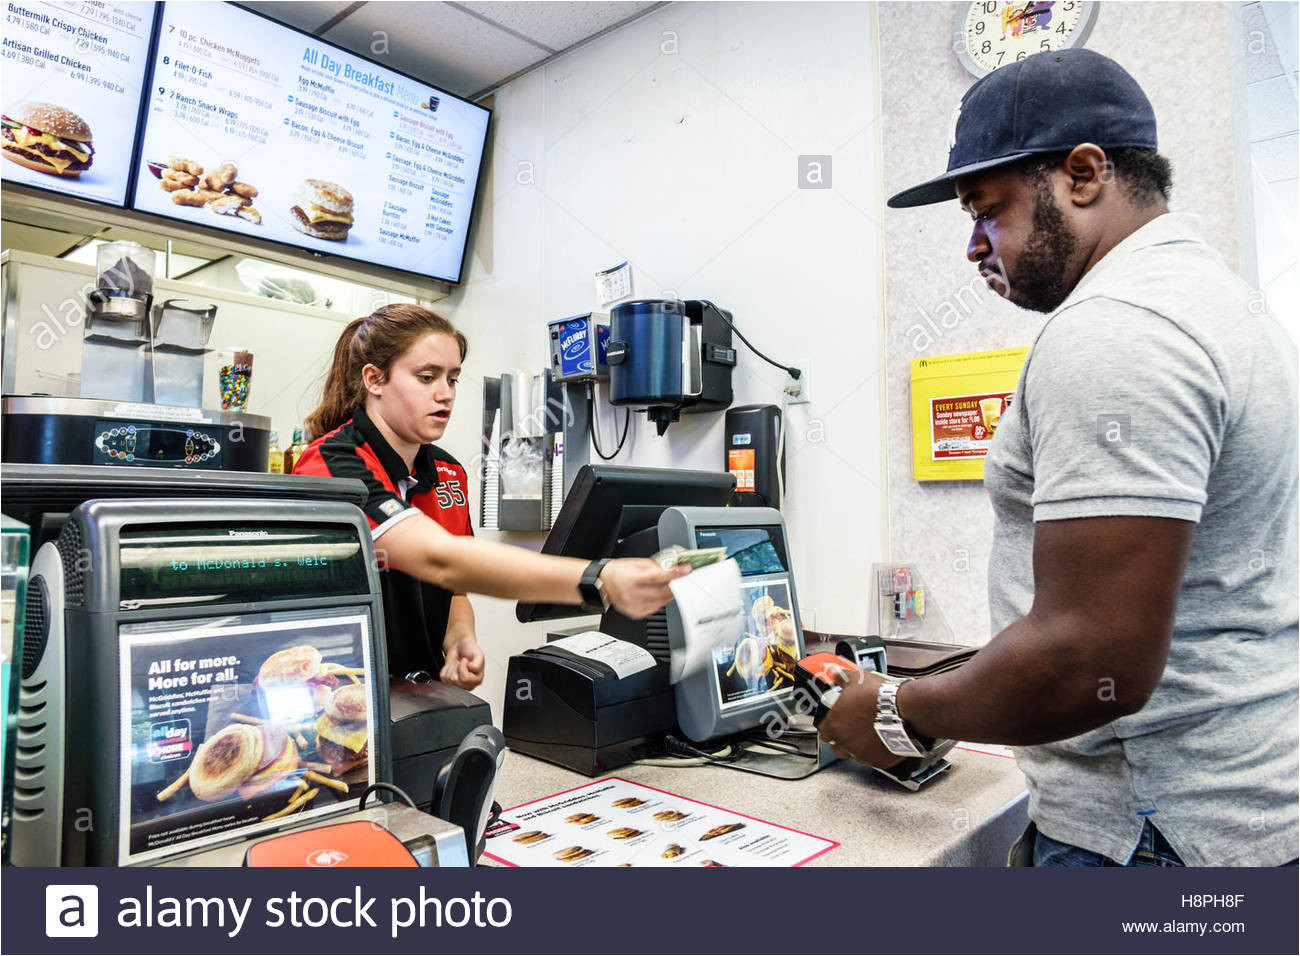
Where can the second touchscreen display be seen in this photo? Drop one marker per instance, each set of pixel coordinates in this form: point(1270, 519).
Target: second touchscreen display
point(762, 660)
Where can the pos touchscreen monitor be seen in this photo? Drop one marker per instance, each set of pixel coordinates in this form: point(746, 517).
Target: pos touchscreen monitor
point(613, 511)
point(747, 671)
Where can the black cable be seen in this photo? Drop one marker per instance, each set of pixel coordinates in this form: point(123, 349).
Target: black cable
point(793, 372)
point(676, 744)
point(391, 788)
point(774, 745)
point(591, 426)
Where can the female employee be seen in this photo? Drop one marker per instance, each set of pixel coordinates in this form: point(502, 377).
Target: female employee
point(388, 396)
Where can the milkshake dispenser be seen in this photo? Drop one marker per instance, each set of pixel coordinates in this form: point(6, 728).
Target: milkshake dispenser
point(116, 361)
point(141, 401)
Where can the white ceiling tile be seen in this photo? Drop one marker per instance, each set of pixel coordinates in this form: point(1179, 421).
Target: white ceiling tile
point(1261, 57)
point(559, 24)
point(1271, 108)
point(435, 42)
point(309, 16)
point(1276, 158)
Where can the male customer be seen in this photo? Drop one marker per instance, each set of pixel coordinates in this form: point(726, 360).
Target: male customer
point(1144, 483)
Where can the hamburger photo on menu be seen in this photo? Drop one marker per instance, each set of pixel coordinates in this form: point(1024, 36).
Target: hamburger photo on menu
point(47, 138)
point(342, 739)
point(322, 210)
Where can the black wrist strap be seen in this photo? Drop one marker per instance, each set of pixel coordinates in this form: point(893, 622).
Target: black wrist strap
point(587, 586)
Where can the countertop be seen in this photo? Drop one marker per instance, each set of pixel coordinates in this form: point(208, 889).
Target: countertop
point(968, 817)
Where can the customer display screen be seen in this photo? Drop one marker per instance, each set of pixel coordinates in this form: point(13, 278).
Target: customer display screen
point(237, 725)
point(761, 662)
point(72, 78)
point(238, 564)
point(254, 128)
point(756, 550)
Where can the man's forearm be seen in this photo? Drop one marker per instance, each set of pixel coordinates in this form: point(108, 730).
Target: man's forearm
point(1024, 688)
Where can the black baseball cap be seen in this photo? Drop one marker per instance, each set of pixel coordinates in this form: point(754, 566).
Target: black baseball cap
point(1045, 103)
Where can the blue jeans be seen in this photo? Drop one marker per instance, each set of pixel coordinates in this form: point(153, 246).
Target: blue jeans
point(1152, 850)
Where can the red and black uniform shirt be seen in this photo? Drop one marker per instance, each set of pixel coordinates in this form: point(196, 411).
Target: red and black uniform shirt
point(415, 612)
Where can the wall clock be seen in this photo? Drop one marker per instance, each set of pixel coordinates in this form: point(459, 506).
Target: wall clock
point(992, 33)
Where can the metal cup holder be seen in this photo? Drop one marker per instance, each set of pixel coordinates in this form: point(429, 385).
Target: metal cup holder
point(180, 326)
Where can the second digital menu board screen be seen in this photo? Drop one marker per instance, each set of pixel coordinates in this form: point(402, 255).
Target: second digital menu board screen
point(261, 130)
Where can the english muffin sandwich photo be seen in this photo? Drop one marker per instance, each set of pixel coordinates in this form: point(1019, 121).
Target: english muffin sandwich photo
point(47, 138)
point(249, 760)
point(670, 816)
point(295, 681)
point(224, 761)
point(322, 210)
point(571, 853)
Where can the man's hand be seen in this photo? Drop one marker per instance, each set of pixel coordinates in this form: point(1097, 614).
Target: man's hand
point(850, 726)
point(637, 587)
point(464, 664)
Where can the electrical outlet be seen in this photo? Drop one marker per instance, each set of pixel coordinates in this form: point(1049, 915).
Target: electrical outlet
point(803, 396)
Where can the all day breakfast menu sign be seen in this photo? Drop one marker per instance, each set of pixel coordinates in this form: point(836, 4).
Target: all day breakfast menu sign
point(615, 822)
point(260, 130)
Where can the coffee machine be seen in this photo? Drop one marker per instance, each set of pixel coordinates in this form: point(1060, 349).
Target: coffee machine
point(667, 356)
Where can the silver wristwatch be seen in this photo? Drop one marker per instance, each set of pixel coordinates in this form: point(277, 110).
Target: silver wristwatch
point(889, 725)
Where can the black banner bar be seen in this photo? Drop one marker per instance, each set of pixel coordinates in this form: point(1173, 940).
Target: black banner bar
point(598, 911)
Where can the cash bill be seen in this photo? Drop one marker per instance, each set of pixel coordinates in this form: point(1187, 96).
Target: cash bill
point(675, 554)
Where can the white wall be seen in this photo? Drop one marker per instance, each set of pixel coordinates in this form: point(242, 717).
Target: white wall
point(673, 143)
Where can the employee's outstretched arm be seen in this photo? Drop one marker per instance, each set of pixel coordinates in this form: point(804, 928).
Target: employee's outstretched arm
point(424, 549)
point(1091, 649)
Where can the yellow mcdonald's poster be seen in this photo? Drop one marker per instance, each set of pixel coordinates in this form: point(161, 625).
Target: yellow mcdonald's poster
point(958, 402)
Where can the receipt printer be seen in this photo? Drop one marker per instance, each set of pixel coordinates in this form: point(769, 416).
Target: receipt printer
point(427, 723)
point(576, 710)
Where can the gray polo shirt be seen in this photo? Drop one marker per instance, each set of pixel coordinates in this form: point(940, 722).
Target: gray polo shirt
point(1162, 386)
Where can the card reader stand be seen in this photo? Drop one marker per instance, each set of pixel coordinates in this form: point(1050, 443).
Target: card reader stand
point(915, 772)
point(812, 755)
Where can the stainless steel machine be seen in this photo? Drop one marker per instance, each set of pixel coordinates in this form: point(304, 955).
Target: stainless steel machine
point(141, 393)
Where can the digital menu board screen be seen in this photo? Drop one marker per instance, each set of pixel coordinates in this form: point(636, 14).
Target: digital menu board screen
point(73, 74)
point(255, 128)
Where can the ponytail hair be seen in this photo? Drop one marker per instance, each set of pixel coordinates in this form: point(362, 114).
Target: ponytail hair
point(378, 339)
